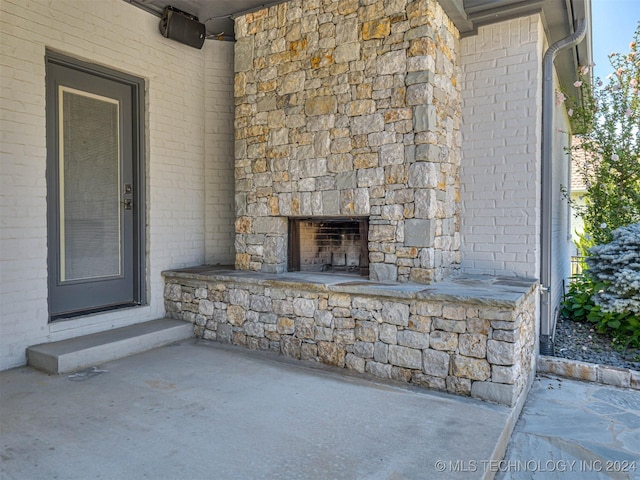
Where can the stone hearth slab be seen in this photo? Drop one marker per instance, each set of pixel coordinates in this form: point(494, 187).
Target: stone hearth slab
point(486, 290)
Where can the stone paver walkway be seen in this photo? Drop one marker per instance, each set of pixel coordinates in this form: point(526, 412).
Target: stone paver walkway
point(575, 430)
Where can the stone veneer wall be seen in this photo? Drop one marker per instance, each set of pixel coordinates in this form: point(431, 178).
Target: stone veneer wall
point(349, 109)
point(465, 346)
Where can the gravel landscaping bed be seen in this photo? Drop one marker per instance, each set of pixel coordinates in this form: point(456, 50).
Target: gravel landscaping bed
point(580, 341)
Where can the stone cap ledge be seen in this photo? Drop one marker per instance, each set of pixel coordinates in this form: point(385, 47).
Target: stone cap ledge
point(480, 290)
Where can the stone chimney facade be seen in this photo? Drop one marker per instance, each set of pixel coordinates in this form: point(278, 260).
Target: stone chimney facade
point(349, 108)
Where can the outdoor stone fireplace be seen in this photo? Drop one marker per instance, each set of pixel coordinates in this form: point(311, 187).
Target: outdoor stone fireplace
point(345, 110)
point(347, 154)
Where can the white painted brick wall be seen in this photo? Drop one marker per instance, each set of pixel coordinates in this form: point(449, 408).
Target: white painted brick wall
point(219, 164)
point(500, 193)
point(179, 130)
point(561, 242)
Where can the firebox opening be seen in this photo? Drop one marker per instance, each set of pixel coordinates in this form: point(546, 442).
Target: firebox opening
point(324, 244)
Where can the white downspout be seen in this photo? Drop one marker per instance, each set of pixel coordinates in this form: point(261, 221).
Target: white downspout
point(548, 95)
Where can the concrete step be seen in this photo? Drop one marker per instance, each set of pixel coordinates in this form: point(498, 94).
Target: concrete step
point(81, 352)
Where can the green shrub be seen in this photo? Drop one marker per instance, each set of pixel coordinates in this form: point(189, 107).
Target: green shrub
point(616, 268)
point(579, 306)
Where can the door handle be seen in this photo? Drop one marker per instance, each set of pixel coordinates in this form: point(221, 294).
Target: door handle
point(127, 202)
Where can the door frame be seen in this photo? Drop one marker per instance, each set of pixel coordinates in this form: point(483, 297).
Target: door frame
point(137, 88)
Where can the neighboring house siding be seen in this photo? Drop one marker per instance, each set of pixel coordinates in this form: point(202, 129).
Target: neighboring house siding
point(181, 150)
point(577, 224)
point(500, 174)
point(579, 160)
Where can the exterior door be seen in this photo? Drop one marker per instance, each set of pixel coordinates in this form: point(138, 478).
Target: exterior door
point(94, 189)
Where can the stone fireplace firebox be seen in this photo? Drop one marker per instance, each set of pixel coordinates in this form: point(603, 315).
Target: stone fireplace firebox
point(338, 245)
point(345, 110)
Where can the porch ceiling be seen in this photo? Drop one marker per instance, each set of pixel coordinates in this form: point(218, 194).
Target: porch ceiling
point(559, 16)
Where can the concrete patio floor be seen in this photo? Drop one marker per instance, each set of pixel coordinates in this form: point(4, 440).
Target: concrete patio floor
point(197, 410)
point(201, 410)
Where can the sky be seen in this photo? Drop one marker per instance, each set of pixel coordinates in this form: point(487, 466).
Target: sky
point(614, 23)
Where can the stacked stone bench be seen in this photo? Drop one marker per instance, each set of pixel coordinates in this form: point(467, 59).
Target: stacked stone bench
point(468, 336)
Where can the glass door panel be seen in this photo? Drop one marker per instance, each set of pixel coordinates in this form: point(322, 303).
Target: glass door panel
point(90, 193)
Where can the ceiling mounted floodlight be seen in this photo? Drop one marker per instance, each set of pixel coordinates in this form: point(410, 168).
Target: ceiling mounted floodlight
point(182, 27)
